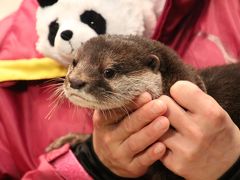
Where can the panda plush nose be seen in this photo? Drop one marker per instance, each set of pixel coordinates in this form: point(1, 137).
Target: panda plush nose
point(66, 35)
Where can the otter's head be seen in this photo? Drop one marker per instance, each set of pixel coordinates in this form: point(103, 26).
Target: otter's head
point(110, 71)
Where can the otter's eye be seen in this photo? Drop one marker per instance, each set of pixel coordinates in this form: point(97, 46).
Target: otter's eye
point(109, 73)
point(74, 63)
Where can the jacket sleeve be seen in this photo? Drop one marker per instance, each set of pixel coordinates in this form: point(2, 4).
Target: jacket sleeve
point(58, 164)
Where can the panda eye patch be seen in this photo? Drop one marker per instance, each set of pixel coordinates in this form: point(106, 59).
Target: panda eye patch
point(53, 29)
point(95, 21)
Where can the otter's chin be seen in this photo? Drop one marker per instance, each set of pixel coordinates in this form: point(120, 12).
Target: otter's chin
point(86, 100)
point(91, 104)
point(82, 102)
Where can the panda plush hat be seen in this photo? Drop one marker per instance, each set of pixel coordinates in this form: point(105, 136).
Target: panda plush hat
point(63, 25)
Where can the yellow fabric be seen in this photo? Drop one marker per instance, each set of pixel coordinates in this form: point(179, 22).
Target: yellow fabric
point(31, 69)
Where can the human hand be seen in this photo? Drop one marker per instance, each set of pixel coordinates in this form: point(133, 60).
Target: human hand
point(205, 142)
point(122, 147)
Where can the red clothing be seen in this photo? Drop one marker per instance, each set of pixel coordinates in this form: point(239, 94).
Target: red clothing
point(204, 33)
point(25, 130)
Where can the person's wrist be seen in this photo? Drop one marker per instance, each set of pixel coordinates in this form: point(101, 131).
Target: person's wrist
point(91, 163)
point(107, 169)
point(232, 171)
point(233, 165)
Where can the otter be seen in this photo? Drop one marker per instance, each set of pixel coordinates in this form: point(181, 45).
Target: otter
point(111, 70)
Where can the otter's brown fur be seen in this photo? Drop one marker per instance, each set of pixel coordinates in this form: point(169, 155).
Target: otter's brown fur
point(140, 65)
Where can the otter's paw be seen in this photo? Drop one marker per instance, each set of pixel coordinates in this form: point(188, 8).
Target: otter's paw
point(71, 138)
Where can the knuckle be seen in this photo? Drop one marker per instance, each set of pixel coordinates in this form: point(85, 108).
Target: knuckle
point(132, 146)
point(191, 155)
point(148, 134)
point(215, 113)
point(219, 115)
point(127, 126)
point(199, 136)
point(107, 139)
point(142, 162)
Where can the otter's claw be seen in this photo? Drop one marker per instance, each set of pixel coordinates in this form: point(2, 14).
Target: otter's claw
point(71, 138)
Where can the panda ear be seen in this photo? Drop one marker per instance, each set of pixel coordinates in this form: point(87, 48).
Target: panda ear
point(44, 3)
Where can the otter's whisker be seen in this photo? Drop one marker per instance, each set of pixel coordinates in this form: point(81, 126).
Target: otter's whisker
point(128, 113)
point(104, 115)
point(51, 84)
point(119, 98)
point(57, 99)
point(123, 108)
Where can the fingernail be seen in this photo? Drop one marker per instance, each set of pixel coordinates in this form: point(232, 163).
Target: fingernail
point(158, 149)
point(157, 106)
point(158, 125)
point(145, 95)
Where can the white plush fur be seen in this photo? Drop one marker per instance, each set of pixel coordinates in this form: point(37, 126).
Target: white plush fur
point(136, 17)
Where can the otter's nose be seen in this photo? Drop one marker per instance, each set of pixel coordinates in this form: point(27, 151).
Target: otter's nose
point(76, 83)
point(66, 35)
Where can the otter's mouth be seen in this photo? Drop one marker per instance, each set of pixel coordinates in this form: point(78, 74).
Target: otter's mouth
point(90, 103)
point(82, 98)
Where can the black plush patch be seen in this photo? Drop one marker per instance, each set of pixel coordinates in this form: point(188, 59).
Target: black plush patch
point(66, 35)
point(53, 29)
point(44, 3)
point(95, 21)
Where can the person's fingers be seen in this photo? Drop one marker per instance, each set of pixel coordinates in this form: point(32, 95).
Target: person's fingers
point(139, 101)
point(185, 93)
point(198, 105)
point(148, 157)
point(102, 118)
point(168, 159)
point(140, 118)
point(172, 139)
point(145, 137)
point(176, 115)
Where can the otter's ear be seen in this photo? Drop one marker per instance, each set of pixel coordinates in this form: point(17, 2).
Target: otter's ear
point(44, 3)
point(153, 62)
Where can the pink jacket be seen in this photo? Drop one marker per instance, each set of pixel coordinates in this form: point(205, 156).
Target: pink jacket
point(204, 33)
